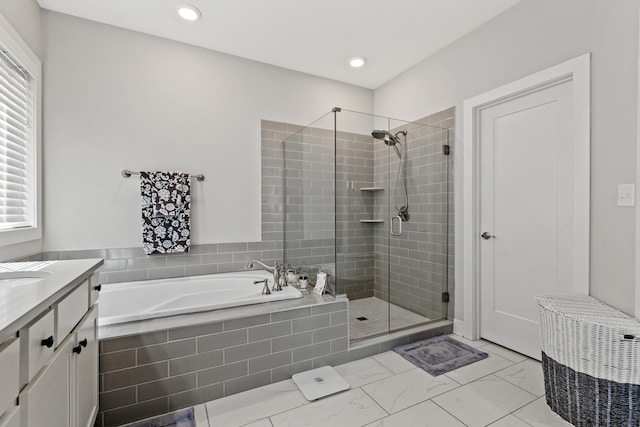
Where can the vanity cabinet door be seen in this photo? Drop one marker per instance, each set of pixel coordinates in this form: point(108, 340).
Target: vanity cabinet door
point(86, 376)
point(46, 400)
point(9, 368)
point(36, 345)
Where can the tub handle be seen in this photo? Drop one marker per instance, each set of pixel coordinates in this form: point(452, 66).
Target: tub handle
point(265, 290)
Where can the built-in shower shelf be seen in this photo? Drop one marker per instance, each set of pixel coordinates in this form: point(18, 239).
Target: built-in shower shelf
point(372, 220)
point(372, 189)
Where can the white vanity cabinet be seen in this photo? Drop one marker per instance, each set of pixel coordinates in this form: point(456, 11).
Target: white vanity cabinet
point(10, 385)
point(86, 370)
point(65, 392)
point(49, 360)
point(46, 400)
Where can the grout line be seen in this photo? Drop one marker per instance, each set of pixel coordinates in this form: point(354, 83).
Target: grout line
point(436, 403)
point(520, 419)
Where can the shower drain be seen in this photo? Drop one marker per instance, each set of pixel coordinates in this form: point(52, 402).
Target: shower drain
point(361, 318)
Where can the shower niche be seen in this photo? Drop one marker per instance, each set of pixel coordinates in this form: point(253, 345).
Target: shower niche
point(366, 200)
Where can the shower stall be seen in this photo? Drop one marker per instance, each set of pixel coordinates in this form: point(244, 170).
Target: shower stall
point(366, 199)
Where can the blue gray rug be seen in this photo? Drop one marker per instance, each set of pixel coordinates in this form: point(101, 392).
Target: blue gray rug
point(439, 355)
point(183, 418)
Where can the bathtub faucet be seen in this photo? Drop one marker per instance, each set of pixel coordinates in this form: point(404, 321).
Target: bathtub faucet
point(275, 270)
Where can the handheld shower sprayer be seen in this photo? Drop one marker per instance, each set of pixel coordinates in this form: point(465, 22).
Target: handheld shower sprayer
point(393, 140)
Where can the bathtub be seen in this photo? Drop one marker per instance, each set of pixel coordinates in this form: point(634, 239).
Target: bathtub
point(148, 299)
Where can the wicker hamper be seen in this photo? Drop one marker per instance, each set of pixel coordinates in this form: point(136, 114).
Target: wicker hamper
point(590, 360)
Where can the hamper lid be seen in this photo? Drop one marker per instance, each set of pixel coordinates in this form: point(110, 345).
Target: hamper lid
point(587, 309)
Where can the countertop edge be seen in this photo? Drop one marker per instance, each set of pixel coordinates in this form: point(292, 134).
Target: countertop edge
point(10, 330)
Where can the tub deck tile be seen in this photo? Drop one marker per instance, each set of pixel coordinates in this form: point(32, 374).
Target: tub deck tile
point(222, 373)
point(222, 340)
point(172, 385)
point(133, 341)
point(165, 351)
point(197, 362)
point(137, 375)
point(247, 351)
point(195, 331)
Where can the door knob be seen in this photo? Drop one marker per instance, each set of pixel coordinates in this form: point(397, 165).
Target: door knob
point(487, 236)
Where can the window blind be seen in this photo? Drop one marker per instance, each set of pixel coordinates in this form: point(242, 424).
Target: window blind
point(17, 153)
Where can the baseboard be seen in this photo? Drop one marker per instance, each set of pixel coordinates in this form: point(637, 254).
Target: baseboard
point(458, 327)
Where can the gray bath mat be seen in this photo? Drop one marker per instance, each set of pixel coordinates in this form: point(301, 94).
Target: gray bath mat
point(440, 354)
point(183, 418)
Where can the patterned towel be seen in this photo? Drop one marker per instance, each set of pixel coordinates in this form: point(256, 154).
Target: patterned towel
point(166, 212)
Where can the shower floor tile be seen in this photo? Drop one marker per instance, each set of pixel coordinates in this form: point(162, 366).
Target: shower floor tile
point(370, 316)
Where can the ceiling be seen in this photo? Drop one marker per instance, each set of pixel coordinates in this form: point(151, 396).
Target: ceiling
point(312, 36)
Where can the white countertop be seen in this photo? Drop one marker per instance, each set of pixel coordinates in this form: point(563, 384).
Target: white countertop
point(28, 288)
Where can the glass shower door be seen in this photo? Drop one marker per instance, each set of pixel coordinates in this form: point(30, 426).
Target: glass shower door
point(418, 218)
point(359, 222)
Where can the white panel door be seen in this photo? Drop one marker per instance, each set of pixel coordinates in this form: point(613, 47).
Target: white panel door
point(526, 211)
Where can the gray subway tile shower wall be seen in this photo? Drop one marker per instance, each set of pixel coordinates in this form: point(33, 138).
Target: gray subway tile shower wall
point(418, 269)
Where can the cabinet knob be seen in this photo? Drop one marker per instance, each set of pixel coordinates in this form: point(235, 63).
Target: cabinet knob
point(98, 287)
point(83, 343)
point(48, 342)
point(77, 349)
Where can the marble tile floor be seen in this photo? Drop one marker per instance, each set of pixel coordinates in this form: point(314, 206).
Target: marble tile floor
point(380, 316)
point(504, 390)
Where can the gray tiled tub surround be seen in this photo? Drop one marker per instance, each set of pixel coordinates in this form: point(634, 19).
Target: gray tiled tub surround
point(161, 371)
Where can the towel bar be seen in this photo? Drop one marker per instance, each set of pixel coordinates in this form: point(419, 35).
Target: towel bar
point(127, 173)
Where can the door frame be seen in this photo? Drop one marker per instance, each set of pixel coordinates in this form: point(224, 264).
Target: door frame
point(576, 70)
point(637, 264)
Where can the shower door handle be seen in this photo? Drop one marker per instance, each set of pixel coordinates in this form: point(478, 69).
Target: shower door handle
point(399, 225)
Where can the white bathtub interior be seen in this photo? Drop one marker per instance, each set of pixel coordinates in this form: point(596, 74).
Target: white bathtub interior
point(133, 301)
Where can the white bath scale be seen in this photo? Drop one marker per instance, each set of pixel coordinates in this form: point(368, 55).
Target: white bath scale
point(321, 382)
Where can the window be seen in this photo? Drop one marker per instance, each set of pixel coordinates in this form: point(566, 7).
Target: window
point(17, 201)
point(19, 130)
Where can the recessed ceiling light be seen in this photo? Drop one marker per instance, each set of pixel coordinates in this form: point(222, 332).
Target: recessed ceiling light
point(188, 12)
point(357, 61)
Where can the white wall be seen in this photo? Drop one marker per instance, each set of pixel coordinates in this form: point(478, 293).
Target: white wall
point(533, 35)
point(24, 17)
point(118, 99)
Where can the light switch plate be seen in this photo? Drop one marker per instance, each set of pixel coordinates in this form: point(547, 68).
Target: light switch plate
point(626, 195)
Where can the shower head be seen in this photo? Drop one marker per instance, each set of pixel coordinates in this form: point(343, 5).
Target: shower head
point(385, 136)
point(389, 139)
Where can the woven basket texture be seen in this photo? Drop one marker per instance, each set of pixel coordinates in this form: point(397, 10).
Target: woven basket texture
point(590, 337)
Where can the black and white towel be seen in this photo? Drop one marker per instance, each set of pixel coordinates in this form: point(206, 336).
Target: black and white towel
point(166, 212)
